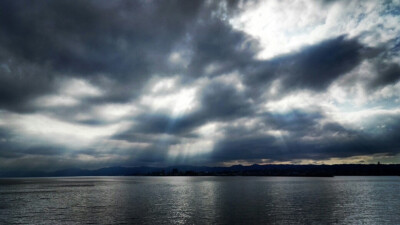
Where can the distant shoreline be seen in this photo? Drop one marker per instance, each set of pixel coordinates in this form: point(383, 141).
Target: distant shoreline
point(236, 170)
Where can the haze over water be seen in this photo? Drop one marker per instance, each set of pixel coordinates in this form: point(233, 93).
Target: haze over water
point(200, 200)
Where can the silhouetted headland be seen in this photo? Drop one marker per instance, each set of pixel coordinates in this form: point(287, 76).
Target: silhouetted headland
point(237, 170)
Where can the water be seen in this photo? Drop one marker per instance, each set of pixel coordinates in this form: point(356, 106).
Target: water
point(200, 200)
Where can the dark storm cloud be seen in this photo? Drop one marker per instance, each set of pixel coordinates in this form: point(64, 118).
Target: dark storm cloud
point(121, 40)
point(331, 140)
point(386, 70)
point(314, 67)
point(94, 36)
point(125, 42)
point(245, 148)
point(224, 102)
point(317, 66)
point(131, 40)
point(253, 144)
point(119, 47)
point(220, 49)
point(20, 82)
point(294, 120)
point(12, 146)
point(386, 74)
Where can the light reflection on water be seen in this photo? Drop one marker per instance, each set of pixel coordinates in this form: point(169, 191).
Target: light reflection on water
point(200, 200)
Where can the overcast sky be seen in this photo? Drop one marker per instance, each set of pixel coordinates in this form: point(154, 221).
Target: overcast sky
point(92, 84)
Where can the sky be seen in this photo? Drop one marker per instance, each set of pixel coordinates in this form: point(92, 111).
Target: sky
point(91, 84)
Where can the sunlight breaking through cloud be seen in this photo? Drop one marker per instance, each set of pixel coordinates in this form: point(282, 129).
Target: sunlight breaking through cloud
point(198, 82)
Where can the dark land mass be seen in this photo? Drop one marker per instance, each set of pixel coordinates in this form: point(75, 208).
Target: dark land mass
point(237, 170)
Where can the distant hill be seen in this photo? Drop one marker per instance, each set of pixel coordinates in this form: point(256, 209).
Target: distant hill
point(236, 170)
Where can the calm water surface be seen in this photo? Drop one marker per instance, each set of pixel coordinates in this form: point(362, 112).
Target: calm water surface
point(200, 200)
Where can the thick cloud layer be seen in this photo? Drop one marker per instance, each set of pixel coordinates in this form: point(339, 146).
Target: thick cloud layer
point(98, 83)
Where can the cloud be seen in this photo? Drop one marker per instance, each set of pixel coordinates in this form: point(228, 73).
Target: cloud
point(98, 83)
point(112, 44)
point(21, 82)
point(313, 67)
point(306, 139)
point(284, 27)
point(94, 36)
point(387, 74)
point(220, 49)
